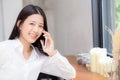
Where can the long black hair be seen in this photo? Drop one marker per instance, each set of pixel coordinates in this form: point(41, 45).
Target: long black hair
point(23, 15)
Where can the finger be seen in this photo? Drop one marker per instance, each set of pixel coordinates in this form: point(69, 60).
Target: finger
point(47, 36)
point(45, 42)
point(46, 33)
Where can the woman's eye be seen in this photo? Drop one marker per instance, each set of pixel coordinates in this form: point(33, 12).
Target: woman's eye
point(32, 24)
point(41, 26)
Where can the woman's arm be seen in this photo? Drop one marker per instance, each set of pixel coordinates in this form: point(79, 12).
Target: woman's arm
point(58, 65)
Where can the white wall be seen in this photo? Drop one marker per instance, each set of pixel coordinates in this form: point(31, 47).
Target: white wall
point(10, 10)
point(1, 22)
point(73, 26)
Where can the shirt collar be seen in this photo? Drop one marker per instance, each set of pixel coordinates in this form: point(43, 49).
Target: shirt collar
point(19, 47)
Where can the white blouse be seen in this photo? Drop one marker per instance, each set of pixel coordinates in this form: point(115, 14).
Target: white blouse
point(13, 65)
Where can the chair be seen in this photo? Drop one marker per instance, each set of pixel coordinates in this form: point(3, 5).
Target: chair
point(43, 76)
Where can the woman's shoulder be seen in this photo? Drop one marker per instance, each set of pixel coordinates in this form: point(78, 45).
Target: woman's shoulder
point(6, 43)
point(5, 51)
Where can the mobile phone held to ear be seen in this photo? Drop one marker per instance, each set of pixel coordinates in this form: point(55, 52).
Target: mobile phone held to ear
point(43, 38)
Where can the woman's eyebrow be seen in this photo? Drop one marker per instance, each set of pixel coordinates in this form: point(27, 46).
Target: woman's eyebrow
point(36, 21)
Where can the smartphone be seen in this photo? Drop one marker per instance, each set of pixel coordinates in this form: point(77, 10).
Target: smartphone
point(43, 38)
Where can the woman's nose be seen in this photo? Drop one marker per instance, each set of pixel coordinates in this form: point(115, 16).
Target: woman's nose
point(36, 29)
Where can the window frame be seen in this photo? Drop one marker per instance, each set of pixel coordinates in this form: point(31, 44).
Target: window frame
point(103, 19)
point(97, 23)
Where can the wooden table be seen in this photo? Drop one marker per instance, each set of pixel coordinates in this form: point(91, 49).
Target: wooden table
point(82, 73)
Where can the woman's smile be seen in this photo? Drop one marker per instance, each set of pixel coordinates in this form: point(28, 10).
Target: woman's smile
point(33, 35)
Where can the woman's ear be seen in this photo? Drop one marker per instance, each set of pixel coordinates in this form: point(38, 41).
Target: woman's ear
point(18, 23)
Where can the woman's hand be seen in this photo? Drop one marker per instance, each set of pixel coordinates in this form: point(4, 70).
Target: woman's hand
point(48, 45)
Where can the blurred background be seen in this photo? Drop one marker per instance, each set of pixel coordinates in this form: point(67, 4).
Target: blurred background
point(75, 25)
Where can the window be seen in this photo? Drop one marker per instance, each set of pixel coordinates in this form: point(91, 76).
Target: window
point(108, 22)
point(117, 7)
point(103, 21)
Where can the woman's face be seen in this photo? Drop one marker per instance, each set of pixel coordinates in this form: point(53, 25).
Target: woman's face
point(32, 28)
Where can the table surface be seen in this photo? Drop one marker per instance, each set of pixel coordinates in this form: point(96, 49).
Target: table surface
point(82, 73)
